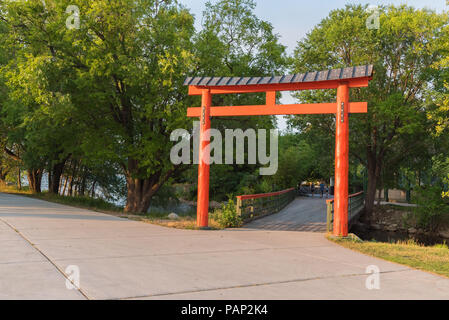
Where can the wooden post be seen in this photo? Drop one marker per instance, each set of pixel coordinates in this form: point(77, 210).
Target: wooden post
point(341, 162)
point(329, 216)
point(238, 206)
point(204, 160)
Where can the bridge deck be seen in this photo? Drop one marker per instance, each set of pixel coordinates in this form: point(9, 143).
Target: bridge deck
point(302, 214)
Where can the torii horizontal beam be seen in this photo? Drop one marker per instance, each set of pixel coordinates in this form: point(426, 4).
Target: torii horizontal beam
point(263, 110)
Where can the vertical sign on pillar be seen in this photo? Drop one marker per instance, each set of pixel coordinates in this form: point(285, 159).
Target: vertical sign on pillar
point(202, 212)
point(341, 162)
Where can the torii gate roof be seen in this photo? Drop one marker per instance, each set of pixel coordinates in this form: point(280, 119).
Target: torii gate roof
point(314, 76)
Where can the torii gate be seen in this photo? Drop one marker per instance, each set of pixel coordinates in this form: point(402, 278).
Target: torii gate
point(341, 79)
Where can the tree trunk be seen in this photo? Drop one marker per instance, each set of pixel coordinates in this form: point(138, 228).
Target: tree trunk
point(19, 181)
point(60, 185)
point(35, 179)
point(92, 191)
point(3, 174)
point(379, 194)
point(49, 180)
point(72, 179)
point(70, 190)
point(140, 192)
point(83, 185)
point(66, 179)
point(81, 182)
point(55, 181)
point(373, 174)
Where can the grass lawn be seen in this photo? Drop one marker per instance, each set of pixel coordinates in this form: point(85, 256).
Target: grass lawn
point(184, 222)
point(433, 259)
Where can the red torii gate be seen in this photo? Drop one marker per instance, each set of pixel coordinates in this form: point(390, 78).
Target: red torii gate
point(341, 79)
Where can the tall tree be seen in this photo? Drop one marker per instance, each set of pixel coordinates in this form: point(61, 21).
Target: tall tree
point(37, 118)
point(234, 41)
point(403, 51)
point(125, 66)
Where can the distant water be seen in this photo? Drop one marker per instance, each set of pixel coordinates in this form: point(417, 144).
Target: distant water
point(180, 208)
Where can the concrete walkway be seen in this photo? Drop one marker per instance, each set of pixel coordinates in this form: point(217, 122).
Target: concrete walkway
point(122, 259)
point(302, 214)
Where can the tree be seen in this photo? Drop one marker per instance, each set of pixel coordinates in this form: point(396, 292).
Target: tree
point(122, 70)
point(403, 51)
point(235, 42)
point(438, 104)
point(37, 118)
point(296, 162)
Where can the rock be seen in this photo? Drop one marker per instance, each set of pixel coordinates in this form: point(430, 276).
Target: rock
point(392, 227)
point(412, 230)
point(444, 234)
point(375, 226)
point(354, 237)
point(360, 226)
point(173, 216)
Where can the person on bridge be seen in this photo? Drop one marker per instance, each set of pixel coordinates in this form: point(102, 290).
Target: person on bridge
point(322, 188)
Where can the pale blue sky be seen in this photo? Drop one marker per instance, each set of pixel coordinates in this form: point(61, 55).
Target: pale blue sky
point(292, 19)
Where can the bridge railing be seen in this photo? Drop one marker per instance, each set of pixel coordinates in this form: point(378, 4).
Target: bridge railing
point(356, 203)
point(256, 205)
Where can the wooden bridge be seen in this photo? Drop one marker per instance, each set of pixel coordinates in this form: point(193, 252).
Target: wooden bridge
point(284, 210)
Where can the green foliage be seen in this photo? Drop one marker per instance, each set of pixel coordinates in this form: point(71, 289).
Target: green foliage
point(166, 195)
point(441, 245)
point(404, 51)
point(296, 163)
point(264, 187)
point(228, 217)
point(110, 91)
point(235, 42)
point(433, 208)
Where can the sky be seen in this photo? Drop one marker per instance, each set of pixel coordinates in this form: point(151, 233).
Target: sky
point(292, 19)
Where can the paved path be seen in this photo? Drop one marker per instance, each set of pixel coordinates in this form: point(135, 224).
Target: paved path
point(302, 214)
point(122, 259)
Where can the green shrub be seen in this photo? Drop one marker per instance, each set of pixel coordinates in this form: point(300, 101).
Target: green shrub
point(432, 210)
point(227, 216)
point(264, 187)
point(441, 245)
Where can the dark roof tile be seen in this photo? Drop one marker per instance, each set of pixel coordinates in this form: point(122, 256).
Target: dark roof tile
point(334, 74)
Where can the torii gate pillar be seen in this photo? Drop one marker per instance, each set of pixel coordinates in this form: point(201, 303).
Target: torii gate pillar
point(202, 210)
point(341, 162)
